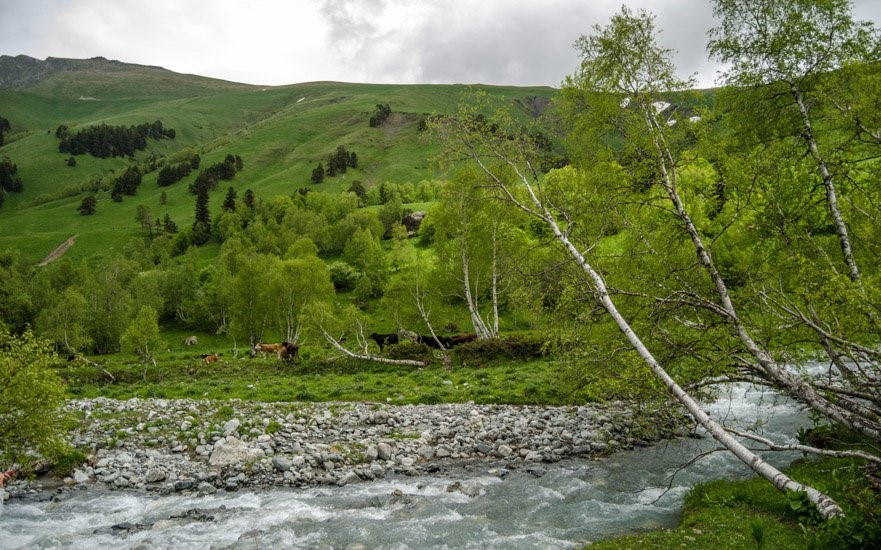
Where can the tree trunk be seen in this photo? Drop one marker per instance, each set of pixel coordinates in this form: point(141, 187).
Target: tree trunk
point(831, 195)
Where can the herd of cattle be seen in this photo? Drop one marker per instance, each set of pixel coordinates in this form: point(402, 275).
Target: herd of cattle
point(290, 351)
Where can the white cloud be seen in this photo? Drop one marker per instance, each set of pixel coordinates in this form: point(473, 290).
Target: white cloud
point(287, 41)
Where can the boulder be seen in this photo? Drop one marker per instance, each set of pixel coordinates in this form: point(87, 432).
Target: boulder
point(231, 426)
point(413, 221)
point(384, 451)
point(281, 463)
point(231, 451)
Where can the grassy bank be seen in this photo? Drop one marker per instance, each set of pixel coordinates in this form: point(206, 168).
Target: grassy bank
point(751, 514)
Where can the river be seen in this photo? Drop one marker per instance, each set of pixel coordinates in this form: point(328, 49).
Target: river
point(563, 505)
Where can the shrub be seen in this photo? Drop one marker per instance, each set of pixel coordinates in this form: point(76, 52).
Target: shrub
point(517, 346)
point(406, 349)
point(30, 408)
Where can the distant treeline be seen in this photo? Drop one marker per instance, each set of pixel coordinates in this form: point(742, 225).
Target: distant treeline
point(208, 178)
point(110, 141)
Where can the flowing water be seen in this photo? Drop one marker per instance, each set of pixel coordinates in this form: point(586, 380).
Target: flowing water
point(562, 505)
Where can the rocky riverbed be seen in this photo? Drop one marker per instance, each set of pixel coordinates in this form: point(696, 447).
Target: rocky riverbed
point(201, 446)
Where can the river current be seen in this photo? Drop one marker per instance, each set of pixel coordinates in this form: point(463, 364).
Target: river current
point(563, 505)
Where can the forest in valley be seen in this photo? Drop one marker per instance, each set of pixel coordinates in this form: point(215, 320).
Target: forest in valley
point(623, 237)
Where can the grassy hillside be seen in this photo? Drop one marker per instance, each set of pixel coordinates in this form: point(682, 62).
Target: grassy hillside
point(280, 132)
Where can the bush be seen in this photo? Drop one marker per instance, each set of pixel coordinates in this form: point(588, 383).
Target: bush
point(31, 400)
point(343, 276)
point(407, 349)
point(518, 346)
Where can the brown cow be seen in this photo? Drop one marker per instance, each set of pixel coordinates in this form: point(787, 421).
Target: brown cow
point(267, 348)
point(210, 358)
point(289, 351)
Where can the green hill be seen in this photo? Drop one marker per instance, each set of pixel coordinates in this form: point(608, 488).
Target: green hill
point(281, 133)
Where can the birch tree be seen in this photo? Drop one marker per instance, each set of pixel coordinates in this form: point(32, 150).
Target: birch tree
point(782, 49)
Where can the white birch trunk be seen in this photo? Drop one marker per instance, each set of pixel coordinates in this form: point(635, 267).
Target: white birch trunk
point(829, 185)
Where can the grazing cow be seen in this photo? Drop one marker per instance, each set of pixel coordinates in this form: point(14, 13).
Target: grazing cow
point(462, 339)
point(383, 340)
point(431, 342)
point(210, 358)
point(289, 351)
point(267, 348)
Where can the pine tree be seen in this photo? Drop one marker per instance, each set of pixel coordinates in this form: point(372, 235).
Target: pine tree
point(202, 222)
point(318, 174)
point(88, 206)
point(248, 199)
point(229, 203)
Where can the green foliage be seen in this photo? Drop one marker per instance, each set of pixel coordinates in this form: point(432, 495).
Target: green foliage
point(32, 396)
point(405, 349)
point(516, 346)
point(142, 335)
point(88, 205)
point(343, 276)
point(380, 115)
point(9, 178)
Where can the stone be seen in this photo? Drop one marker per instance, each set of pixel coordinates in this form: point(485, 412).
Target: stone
point(426, 452)
point(371, 454)
point(206, 488)
point(350, 477)
point(231, 426)
point(80, 476)
point(184, 484)
point(384, 451)
point(504, 451)
point(281, 463)
point(155, 475)
point(233, 451)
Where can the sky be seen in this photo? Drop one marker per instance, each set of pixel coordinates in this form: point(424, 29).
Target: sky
point(274, 42)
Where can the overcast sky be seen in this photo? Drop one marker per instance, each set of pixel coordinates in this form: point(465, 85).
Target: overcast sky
point(394, 41)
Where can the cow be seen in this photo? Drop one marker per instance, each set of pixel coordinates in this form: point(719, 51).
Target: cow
point(210, 358)
point(383, 340)
point(431, 342)
point(289, 351)
point(461, 339)
point(267, 348)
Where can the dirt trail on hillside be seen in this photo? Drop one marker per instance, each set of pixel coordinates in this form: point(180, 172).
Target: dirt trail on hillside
point(58, 252)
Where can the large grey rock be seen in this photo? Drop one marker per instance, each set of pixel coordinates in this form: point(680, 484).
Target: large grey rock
point(384, 451)
point(281, 463)
point(231, 426)
point(426, 452)
point(155, 475)
point(231, 451)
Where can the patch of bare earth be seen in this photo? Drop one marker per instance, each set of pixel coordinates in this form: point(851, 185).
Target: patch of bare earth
point(59, 251)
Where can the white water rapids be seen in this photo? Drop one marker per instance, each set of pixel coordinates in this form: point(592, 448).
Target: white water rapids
point(567, 505)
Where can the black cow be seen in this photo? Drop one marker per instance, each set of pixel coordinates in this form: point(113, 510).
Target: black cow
point(383, 340)
point(461, 339)
point(431, 342)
